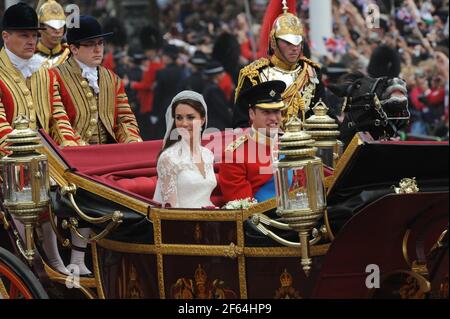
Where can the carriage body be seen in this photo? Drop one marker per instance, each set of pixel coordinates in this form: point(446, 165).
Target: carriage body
point(158, 252)
point(215, 253)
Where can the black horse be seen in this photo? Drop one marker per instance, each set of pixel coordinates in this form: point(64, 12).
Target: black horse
point(378, 106)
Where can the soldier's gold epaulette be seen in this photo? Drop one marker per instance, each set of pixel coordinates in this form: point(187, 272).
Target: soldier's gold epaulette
point(312, 63)
point(235, 145)
point(251, 72)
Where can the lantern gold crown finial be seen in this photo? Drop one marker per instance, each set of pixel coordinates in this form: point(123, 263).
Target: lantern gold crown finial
point(321, 125)
point(22, 138)
point(295, 142)
point(21, 122)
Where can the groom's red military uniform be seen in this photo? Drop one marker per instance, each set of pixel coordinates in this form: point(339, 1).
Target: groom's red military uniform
point(246, 166)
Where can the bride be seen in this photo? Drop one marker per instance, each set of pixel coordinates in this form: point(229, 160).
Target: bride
point(185, 168)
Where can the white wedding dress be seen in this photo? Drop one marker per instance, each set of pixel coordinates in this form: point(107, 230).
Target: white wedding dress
point(181, 182)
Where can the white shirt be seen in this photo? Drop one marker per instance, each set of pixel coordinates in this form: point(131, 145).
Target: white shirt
point(26, 67)
point(180, 181)
point(90, 74)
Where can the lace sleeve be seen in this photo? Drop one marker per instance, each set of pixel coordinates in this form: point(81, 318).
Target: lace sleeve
point(167, 177)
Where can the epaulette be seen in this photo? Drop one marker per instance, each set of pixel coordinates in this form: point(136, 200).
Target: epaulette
point(251, 72)
point(310, 62)
point(255, 66)
point(235, 145)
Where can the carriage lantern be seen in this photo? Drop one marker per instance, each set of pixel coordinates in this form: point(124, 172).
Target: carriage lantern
point(299, 183)
point(25, 179)
point(324, 130)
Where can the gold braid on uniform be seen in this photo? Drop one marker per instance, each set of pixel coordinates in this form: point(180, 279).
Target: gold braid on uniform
point(311, 62)
point(292, 96)
point(251, 72)
point(63, 58)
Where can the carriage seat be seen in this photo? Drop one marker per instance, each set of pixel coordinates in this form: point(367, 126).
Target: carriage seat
point(132, 167)
point(145, 185)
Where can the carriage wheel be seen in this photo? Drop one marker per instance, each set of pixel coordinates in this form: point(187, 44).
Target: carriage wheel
point(16, 279)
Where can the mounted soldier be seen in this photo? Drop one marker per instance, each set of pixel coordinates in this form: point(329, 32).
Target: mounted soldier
point(51, 49)
point(286, 63)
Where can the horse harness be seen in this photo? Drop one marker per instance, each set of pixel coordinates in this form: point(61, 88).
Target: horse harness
point(364, 102)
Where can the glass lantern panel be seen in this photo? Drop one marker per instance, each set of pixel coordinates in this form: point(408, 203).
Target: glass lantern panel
point(281, 185)
point(18, 185)
point(298, 193)
point(327, 155)
point(44, 180)
point(291, 188)
point(319, 186)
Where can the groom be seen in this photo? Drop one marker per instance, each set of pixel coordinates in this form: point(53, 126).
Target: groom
point(246, 168)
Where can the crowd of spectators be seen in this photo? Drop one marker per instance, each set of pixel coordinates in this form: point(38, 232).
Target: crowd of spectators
point(408, 39)
point(202, 44)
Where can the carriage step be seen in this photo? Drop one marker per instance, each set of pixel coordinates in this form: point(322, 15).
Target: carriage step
point(53, 275)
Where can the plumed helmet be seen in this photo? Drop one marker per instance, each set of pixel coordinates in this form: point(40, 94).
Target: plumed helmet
point(51, 13)
point(287, 27)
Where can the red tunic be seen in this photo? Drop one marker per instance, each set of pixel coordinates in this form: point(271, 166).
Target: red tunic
point(144, 88)
point(246, 166)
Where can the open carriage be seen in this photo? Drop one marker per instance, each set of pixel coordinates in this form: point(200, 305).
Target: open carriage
point(372, 241)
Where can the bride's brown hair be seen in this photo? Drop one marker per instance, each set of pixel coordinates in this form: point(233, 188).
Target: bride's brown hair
point(196, 105)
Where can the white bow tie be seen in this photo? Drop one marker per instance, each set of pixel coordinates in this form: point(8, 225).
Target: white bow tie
point(90, 74)
point(92, 77)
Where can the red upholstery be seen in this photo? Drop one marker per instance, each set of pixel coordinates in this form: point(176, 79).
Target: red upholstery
point(130, 167)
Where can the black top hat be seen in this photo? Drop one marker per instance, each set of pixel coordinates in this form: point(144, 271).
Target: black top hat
point(266, 95)
point(213, 67)
point(199, 58)
point(88, 29)
point(150, 38)
point(384, 61)
point(114, 26)
point(20, 17)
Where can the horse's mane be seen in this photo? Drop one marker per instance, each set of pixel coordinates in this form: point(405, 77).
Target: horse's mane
point(340, 87)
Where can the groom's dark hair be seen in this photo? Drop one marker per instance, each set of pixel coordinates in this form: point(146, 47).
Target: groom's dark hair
point(196, 105)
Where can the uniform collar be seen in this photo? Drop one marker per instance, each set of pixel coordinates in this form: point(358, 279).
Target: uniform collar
point(26, 67)
point(51, 52)
point(260, 138)
point(281, 64)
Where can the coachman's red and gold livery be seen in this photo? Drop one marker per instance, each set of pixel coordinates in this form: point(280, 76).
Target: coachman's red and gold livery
point(99, 119)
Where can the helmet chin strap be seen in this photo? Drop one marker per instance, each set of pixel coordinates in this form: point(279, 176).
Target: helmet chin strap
point(283, 59)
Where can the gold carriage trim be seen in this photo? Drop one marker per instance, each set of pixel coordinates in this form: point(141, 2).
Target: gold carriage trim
point(231, 251)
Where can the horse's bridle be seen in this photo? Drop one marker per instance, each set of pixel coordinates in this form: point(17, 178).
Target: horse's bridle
point(366, 104)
